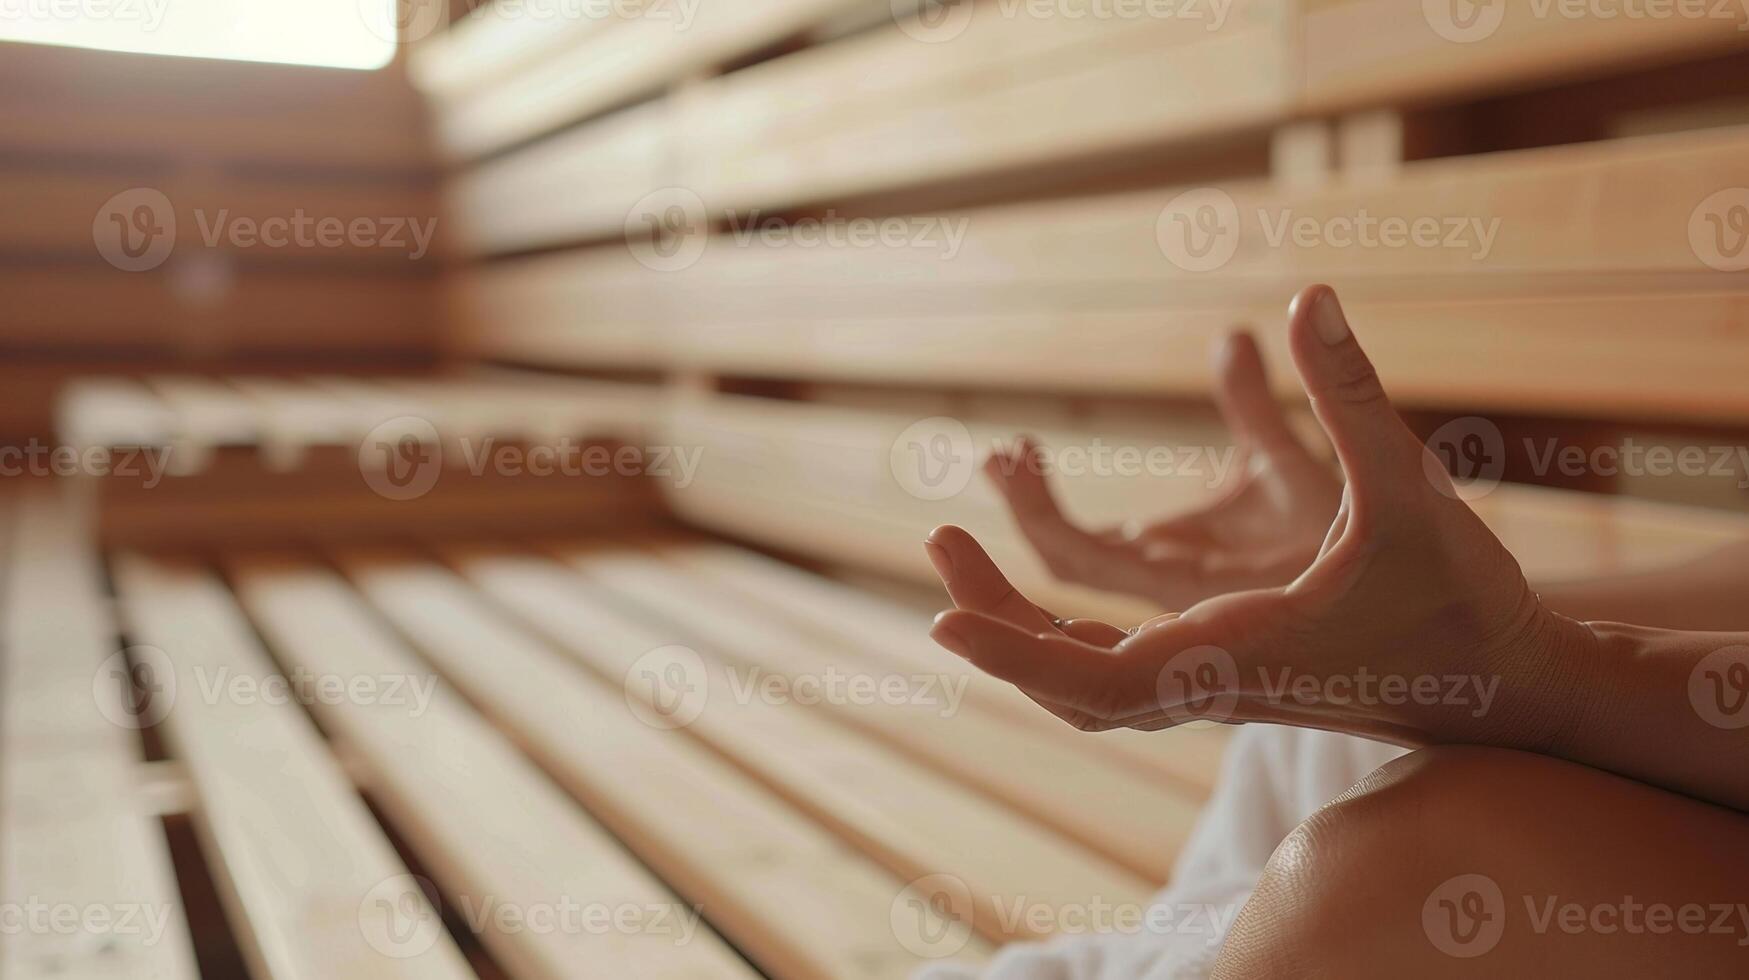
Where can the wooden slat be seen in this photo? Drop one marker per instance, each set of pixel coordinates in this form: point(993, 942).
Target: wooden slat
point(818, 481)
point(299, 860)
point(109, 106)
point(1359, 53)
point(53, 209)
point(503, 841)
point(194, 309)
point(1042, 294)
point(74, 836)
point(578, 185)
point(601, 64)
point(747, 864)
point(917, 823)
point(1110, 808)
point(906, 103)
point(1188, 757)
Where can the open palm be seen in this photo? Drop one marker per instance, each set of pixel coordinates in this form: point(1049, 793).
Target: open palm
point(1413, 624)
point(1263, 530)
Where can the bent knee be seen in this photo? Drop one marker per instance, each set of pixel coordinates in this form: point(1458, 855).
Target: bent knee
point(1413, 866)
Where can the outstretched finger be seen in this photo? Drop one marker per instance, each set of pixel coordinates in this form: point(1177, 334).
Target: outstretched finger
point(1244, 396)
point(1048, 666)
point(1022, 483)
point(974, 582)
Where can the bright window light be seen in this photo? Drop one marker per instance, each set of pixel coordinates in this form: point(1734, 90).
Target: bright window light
point(332, 33)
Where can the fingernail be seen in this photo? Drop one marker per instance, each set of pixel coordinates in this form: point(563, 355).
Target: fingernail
point(951, 641)
point(942, 561)
point(1328, 320)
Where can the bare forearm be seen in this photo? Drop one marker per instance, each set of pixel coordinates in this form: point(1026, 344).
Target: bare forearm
point(1666, 707)
point(1708, 593)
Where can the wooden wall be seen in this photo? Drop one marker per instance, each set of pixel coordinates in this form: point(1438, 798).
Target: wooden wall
point(224, 147)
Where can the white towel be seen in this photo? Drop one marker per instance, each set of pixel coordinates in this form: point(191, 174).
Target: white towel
point(1272, 779)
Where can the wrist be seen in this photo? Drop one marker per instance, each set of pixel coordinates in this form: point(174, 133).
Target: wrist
point(1561, 683)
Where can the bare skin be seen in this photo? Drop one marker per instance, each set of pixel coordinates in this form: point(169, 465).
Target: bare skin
point(1408, 583)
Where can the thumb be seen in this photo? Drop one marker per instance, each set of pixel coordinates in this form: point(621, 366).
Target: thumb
point(1244, 397)
point(1376, 449)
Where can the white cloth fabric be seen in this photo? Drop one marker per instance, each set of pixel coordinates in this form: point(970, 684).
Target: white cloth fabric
point(1272, 779)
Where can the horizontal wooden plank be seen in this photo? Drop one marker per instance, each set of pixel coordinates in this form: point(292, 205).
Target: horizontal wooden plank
point(604, 63)
point(1186, 758)
point(61, 211)
point(825, 482)
point(1108, 807)
point(206, 309)
point(535, 879)
point(982, 88)
point(313, 886)
point(75, 834)
point(1360, 53)
point(108, 107)
point(581, 184)
point(748, 864)
point(919, 824)
point(1524, 268)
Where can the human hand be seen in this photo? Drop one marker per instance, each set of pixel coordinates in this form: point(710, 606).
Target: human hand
point(1413, 624)
point(1262, 531)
